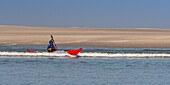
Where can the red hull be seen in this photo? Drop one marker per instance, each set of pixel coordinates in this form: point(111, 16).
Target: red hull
point(71, 52)
point(74, 52)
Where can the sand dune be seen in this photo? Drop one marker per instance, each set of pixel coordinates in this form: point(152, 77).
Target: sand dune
point(94, 37)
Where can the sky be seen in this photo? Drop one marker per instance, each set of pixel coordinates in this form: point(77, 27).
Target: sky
point(86, 13)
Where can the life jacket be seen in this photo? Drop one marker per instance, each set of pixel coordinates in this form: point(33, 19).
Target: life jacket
point(51, 48)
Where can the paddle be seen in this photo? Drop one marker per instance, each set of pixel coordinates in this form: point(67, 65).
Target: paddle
point(54, 41)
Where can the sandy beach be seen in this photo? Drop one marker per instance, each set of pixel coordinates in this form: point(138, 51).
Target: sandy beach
point(91, 37)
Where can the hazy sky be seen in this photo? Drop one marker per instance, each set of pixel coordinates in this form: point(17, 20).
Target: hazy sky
point(86, 13)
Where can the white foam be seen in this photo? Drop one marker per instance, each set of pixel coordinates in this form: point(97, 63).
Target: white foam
point(125, 55)
point(93, 55)
point(25, 54)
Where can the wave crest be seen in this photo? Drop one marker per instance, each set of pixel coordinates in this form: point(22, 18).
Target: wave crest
point(86, 54)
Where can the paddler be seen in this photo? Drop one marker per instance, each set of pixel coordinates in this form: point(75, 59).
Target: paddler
point(52, 45)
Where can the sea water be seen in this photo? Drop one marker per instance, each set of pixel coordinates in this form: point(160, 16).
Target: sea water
point(85, 71)
point(21, 51)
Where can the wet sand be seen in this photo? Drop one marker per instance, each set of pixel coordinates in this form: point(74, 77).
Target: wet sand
point(91, 37)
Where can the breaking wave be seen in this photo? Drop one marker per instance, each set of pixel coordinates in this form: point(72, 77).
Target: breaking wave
point(62, 54)
point(20, 51)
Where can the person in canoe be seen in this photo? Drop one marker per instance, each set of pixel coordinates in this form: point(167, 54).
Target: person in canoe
point(52, 45)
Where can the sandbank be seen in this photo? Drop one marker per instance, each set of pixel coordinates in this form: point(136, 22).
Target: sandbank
point(91, 37)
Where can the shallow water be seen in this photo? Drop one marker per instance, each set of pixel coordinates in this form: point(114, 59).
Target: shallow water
point(87, 49)
point(20, 51)
point(84, 71)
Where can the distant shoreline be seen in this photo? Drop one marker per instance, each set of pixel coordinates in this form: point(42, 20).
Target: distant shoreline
point(90, 37)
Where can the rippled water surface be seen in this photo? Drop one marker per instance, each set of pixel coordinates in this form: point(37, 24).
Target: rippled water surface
point(87, 49)
point(84, 71)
